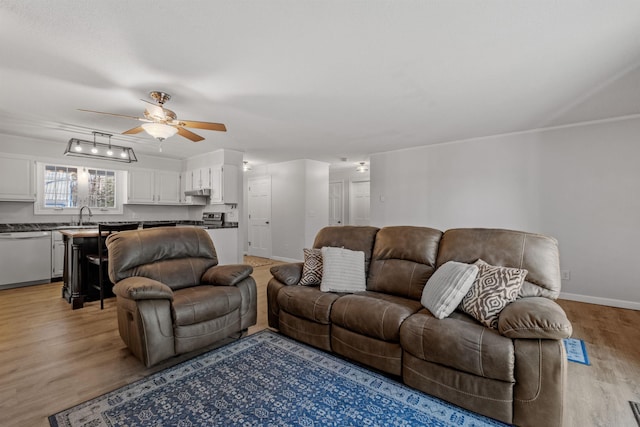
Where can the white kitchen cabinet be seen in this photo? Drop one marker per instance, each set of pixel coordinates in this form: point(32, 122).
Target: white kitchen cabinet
point(17, 179)
point(225, 241)
point(224, 185)
point(148, 186)
point(57, 254)
point(199, 179)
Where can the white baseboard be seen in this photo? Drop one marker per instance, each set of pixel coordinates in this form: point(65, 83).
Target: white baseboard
point(283, 259)
point(601, 301)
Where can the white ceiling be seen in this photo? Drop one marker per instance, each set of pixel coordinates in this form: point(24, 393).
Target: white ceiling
point(316, 79)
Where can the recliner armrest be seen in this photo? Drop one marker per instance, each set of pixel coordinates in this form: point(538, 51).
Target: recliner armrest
point(141, 288)
point(226, 275)
point(289, 274)
point(534, 318)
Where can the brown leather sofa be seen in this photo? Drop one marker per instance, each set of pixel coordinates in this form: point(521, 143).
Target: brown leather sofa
point(515, 374)
point(172, 297)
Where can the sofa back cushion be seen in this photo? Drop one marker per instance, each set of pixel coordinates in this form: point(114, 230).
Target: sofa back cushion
point(355, 238)
point(176, 256)
point(535, 253)
point(404, 258)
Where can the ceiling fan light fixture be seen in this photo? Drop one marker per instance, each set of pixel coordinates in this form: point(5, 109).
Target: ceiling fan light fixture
point(159, 131)
point(245, 166)
point(362, 167)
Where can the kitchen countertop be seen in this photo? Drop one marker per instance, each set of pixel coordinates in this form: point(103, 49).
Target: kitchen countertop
point(93, 226)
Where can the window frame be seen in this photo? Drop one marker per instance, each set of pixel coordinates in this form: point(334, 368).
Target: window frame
point(83, 191)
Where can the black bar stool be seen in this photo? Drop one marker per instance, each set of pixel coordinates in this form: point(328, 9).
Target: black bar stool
point(101, 259)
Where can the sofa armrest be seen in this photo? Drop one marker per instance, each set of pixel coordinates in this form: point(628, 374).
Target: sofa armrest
point(534, 318)
point(226, 275)
point(289, 274)
point(141, 288)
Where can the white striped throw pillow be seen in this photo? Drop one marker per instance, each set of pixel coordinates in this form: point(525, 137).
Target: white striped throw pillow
point(447, 286)
point(342, 270)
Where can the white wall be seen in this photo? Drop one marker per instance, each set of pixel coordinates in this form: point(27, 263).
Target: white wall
point(579, 184)
point(299, 204)
point(317, 200)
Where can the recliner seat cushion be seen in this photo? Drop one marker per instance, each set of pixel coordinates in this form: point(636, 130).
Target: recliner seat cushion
point(373, 314)
point(460, 343)
point(203, 303)
point(307, 302)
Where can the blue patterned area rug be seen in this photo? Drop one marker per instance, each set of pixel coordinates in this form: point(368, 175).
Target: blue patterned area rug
point(267, 380)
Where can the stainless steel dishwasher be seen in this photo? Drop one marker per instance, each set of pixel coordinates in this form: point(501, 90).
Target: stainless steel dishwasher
point(25, 258)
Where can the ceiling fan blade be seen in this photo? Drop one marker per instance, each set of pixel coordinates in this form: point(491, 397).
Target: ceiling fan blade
point(188, 134)
point(113, 114)
point(133, 131)
point(203, 125)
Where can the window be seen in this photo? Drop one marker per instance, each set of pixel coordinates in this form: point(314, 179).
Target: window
point(102, 188)
point(67, 188)
point(60, 187)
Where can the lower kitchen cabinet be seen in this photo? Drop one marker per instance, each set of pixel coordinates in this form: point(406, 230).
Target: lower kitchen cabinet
point(57, 254)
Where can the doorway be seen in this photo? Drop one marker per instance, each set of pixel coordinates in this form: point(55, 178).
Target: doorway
point(359, 203)
point(259, 209)
point(336, 198)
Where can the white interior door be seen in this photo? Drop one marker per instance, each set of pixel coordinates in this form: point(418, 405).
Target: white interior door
point(336, 201)
point(260, 216)
point(360, 203)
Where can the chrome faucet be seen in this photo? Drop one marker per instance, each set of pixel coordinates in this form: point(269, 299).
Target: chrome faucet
point(80, 217)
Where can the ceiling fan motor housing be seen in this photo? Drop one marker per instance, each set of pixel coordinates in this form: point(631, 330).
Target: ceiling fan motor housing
point(160, 97)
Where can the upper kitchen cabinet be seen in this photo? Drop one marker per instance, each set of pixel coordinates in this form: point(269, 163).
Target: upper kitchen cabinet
point(16, 179)
point(147, 186)
point(199, 179)
point(224, 185)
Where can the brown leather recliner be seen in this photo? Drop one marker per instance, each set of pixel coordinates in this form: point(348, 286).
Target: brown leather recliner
point(172, 297)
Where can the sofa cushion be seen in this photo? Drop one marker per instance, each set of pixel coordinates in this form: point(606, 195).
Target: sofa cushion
point(403, 259)
point(356, 238)
point(201, 303)
point(492, 290)
point(535, 253)
point(307, 302)
point(373, 314)
point(312, 268)
point(342, 270)
point(447, 286)
point(459, 343)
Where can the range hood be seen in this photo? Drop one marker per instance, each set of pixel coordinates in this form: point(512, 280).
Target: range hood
point(204, 192)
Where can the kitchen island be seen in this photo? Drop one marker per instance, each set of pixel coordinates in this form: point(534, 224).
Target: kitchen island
point(76, 275)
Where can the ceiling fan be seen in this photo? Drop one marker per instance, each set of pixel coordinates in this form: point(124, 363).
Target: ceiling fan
point(161, 123)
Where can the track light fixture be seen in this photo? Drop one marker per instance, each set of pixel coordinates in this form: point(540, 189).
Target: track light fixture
point(97, 150)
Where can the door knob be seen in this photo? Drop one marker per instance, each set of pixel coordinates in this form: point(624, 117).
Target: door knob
point(266, 222)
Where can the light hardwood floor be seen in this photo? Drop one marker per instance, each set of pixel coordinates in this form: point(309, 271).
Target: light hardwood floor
point(52, 357)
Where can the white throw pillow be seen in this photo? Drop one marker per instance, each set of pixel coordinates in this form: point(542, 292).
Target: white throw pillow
point(342, 270)
point(447, 286)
